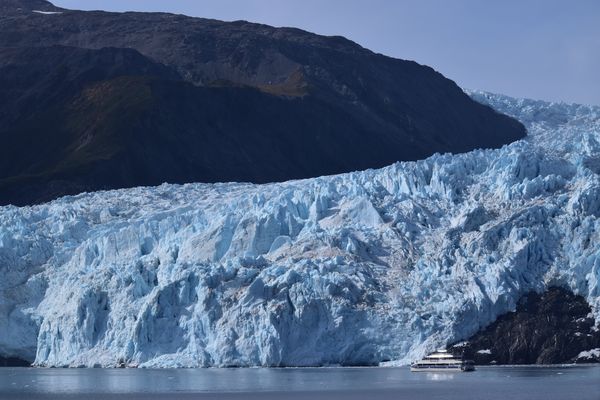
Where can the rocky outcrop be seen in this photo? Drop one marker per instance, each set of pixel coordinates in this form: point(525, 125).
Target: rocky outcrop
point(98, 100)
point(13, 362)
point(554, 327)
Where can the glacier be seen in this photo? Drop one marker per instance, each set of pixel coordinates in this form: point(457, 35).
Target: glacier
point(372, 267)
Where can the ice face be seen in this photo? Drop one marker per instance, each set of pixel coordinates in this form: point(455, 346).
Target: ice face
point(367, 267)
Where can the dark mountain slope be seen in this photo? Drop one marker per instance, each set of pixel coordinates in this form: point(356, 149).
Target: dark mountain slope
point(210, 101)
point(45, 127)
point(124, 130)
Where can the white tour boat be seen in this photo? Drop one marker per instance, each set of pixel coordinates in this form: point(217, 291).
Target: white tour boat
point(441, 361)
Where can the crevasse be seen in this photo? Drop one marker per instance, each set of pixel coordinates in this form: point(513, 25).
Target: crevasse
point(360, 268)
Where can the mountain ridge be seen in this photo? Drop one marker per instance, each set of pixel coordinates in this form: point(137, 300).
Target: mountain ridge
point(305, 105)
point(28, 5)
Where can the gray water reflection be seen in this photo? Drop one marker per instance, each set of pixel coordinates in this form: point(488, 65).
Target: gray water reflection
point(579, 383)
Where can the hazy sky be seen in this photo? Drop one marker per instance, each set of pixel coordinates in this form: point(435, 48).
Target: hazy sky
point(544, 49)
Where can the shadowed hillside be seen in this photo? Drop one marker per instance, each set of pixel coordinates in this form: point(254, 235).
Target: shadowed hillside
point(98, 100)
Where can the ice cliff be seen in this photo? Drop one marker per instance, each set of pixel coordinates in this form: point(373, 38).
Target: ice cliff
point(367, 267)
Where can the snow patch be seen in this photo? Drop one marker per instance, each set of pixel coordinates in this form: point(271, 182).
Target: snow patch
point(589, 354)
point(46, 12)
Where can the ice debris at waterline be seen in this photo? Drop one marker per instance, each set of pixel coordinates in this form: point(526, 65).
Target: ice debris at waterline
point(358, 268)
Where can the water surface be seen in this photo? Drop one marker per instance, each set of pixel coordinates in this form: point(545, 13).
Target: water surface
point(547, 383)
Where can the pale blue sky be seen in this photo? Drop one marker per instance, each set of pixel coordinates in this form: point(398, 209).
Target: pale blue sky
point(544, 49)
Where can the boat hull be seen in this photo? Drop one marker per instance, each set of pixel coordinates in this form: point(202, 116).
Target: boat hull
point(458, 368)
point(442, 361)
point(436, 369)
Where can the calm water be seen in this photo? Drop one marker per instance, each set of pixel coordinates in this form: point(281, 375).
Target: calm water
point(530, 383)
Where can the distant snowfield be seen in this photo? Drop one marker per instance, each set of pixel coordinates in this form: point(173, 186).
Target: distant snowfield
point(367, 267)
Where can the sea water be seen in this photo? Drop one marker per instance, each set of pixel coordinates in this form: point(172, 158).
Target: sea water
point(530, 382)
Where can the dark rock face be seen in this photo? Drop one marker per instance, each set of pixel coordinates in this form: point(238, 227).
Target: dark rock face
point(13, 362)
point(551, 328)
point(99, 100)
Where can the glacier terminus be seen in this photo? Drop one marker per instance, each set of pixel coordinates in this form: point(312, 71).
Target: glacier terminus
point(372, 267)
